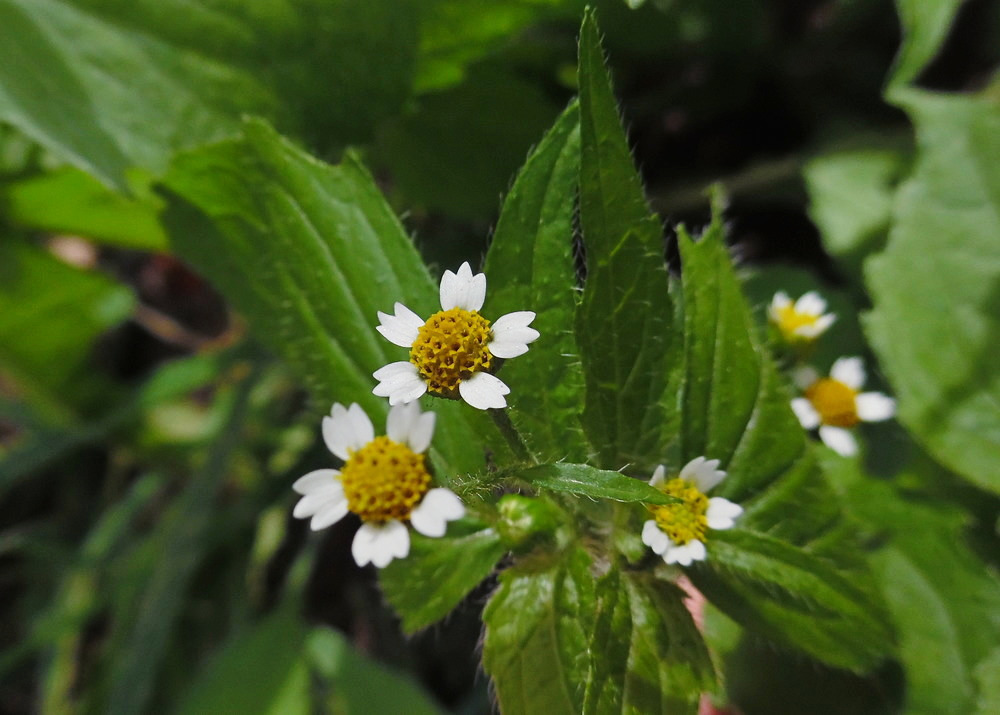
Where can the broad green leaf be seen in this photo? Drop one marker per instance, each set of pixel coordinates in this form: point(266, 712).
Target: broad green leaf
point(310, 253)
point(260, 670)
point(71, 201)
point(944, 601)
point(988, 678)
point(647, 654)
point(111, 85)
point(530, 267)
point(936, 319)
point(439, 573)
point(624, 322)
point(50, 315)
point(925, 26)
point(538, 629)
point(588, 481)
point(793, 596)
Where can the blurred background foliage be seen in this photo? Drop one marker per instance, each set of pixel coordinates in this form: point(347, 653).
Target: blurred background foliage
point(148, 560)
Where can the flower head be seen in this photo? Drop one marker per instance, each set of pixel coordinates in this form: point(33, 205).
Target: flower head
point(835, 404)
point(677, 531)
point(454, 352)
point(802, 321)
point(384, 481)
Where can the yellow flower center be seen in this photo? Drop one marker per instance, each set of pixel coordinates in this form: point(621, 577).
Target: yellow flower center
point(384, 480)
point(684, 521)
point(789, 320)
point(834, 401)
point(450, 347)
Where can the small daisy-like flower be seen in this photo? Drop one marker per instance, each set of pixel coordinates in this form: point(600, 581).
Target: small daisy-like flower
point(677, 531)
point(384, 481)
point(836, 403)
point(802, 321)
point(453, 353)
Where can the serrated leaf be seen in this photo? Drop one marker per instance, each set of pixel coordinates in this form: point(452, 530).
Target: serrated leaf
point(941, 264)
point(530, 267)
point(782, 591)
point(625, 320)
point(538, 626)
point(439, 573)
point(647, 654)
point(925, 26)
point(310, 253)
point(591, 482)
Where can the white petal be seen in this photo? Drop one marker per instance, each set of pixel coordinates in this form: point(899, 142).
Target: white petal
point(390, 541)
point(659, 474)
point(722, 513)
point(703, 472)
point(814, 330)
point(400, 421)
point(483, 391)
point(810, 304)
point(400, 382)
point(655, 538)
point(691, 468)
point(436, 509)
point(807, 414)
point(476, 294)
point(680, 554)
point(850, 371)
point(421, 432)
point(361, 426)
point(462, 289)
point(364, 540)
point(449, 290)
point(337, 432)
point(804, 376)
point(697, 550)
point(316, 480)
point(874, 406)
point(331, 513)
point(839, 440)
point(779, 301)
point(511, 334)
point(402, 328)
point(312, 503)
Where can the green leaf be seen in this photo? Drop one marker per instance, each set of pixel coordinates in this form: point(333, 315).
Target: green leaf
point(988, 678)
point(310, 253)
point(591, 482)
point(941, 265)
point(925, 26)
point(71, 201)
point(111, 85)
point(439, 573)
point(792, 596)
point(625, 320)
point(530, 267)
point(647, 653)
point(538, 629)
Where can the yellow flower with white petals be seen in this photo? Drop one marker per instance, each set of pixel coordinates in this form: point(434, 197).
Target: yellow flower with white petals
point(453, 353)
point(835, 404)
point(384, 481)
point(677, 531)
point(802, 321)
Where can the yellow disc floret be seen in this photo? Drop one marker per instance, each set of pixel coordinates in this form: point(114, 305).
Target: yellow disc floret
point(834, 401)
point(790, 320)
point(384, 480)
point(451, 347)
point(684, 521)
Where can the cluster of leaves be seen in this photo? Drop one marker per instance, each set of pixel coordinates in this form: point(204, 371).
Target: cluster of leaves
point(635, 367)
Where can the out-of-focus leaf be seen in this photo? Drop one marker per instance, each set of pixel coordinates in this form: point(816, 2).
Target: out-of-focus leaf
point(538, 629)
point(439, 573)
point(70, 201)
point(310, 253)
point(941, 265)
point(587, 481)
point(359, 686)
point(120, 83)
point(925, 26)
point(624, 323)
point(530, 267)
point(988, 678)
point(647, 654)
point(790, 595)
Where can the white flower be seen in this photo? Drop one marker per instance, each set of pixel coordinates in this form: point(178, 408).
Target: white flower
point(836, 403)
point(677, 531)
point(384, 481)
point(452, 352)
point(801, 321)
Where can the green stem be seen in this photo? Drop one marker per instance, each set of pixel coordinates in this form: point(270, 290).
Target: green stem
point(510, 433)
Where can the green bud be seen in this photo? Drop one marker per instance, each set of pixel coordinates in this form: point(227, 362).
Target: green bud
point(526, 522)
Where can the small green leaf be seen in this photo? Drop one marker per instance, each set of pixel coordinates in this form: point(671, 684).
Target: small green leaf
point(530, 267)
point(624, 324)
point(925, 26)
point(426, 585)
point(941, 265)
point(793, 596)
point(591, 482)
point(538, 629)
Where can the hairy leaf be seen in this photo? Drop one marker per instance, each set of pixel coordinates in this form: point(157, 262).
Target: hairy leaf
point(588, 481)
